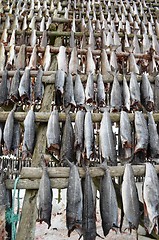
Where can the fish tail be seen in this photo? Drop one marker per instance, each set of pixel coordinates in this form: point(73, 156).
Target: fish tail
point(104, 164)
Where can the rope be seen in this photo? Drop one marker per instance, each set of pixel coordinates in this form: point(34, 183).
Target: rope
point(11, 217)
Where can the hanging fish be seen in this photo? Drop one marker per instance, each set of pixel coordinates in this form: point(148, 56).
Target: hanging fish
point(90, 62)
point(68, 92)
point(21, 58)
point(24, 86)
point(126, 95)
point(106, 140)
point(44, 197)
point(147, 96)
point(8, 132)
point(134, 90)
point(141, 132)
point(88, 134)
point(151, 199)
point(156, 94)
point(74, 62)
point(105, 65)
point(74, 201)
point(38, 88)
point(113, 60)
point(3, 88)
point(46, 61)
point(3, 56)
point(79, 134)
point(108, 202)
point(16, 139)
point(130, 198)
point(89, 89)
point(61, 59)
point(115, 96)
point(11, 57)
point(44, 40)
point(153, 136)
point(29, 134)
point(125, 136)
point(53, 133)
point(59, 87)
point(79, 93)
point(32, 39)
point(13, 93)
point(100, 91)
point(33, 59)
point(1, 137)
point(132, 65)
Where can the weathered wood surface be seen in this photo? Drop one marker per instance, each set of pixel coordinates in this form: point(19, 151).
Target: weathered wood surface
point(29, 210)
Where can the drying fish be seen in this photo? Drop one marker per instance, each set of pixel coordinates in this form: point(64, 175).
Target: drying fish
point(88, 135)
point(146, 43)
point(33, 58)
point(109, 41)
point(59, 86)
point(89, 89)
point(79, 134)
point(108, 202)
point(3, 56)
point(24, 25)
point(147, 96)
point(61, 59)
point(29, 134)
point(12, 39)
point(16, 139)
point(72, 39)
point(32, 23)
point(130, 198)
point(100, 91)
point(8, 132)
point(11, 57)
point(7, 22)
point(46, 59)
point(156, 93)
point(67, 143)
point(1, 137)
point(106, 140)
point(13, 93)
point(73, 63)
point(42, 24)
point(53, 132)
point(153, 136)
point(44, 40)
point(141, 132)
point(126, 95)
point(38, 88)
point(115, 96)
point(125, 135)
point(88, 216)
point(33, 38)
point(44, 197)
point(135, 45)
point(91, 40)
point(132, 65)
point(74, 201)
point(151, 199)
point(24, 86)
point(117, 42)
point(4, 36)
point(20, 61)
point(15, 25)
point(90, 62)
point(79, 93)
point(3, 88)
point(155, 44)
point(134, 90)
point(68, 92)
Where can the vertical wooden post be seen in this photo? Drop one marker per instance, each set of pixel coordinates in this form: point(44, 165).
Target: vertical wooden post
point(27, 224)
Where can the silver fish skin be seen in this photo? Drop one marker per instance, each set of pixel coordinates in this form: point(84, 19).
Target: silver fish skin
point(113, 61)
point(73, 63)
point(20, 61)
point(115, 96)
point(38, 88)
point(156, 94)
point(108, 202)
point(67, 141)
point(79, 93)
point(1, 137)
point(16, 137)
point(100, 91)
point(24, 86)
point(29, 133)
point(59, 87)
point(126, 95)
point(88, 216)
point(3, 88)
point(53, 132)
point(61, 59)
point(134, 89)
point(74, 201)
point(4, 36)
point(8, 132)
point(147, 96)
point(125, 134)
point(46, 59)
point(33, 59)
point(132, 65)
point(3, 56)
point(106, 140)
point(44, 41)
point(32, 39)
point(88, 135)
point(44, 198)
point(11, 57)
point(151, 198)
point(13, 93)
point(69, 92)
point(130, 198)
point(79, 134)
point(153, 136)
point(141, 132)
point(90, 68)
point(89, 89)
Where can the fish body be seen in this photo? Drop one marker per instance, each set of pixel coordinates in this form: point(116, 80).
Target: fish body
point(126, 95)
point(105, 65)
point(90, 62)
point(46, 59)
point(115, 97)
point(108, 203)
point(13, 93)
point(68, 92)
point(61, 59)
point(79, 93)
point(59, 86)
point(33, 38)
point(44, 198)
point(156, 93)
point(38, 88)
point(134, 89)
point(20, 61)
point(3, 57)
point(11, 57)
point(53, 132)
point(3, 88)
point(73, 63)
point(151, 198)
point(89, 89)
point(8, 132)
point(74, 201)
point(33, 59)
point(24, 86)
point(130, 198)
point(88, 135)
point(16, 139)
point(100, 90)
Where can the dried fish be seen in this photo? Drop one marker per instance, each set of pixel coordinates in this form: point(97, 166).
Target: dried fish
point(46, 61)
point(38, 88)
point(134, 90)
point(24, 86)
point(13, 93)
point(61, 59)
point(32, 39)
point(8, 133)
point(90, 62)
point(100, 91)
point(16, 139)
point(105, 66)
point(115, 96)
point(126, 95)
point(79, 93)
point(21, 58)
point(3, 57)
point(88, 135)
point(68, 92)
point(11, 57)
point(33, 59)
point(89, 89)
point(3, 88)
point(73, 63)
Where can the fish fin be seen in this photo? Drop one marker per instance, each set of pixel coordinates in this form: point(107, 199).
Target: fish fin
point(99, 236)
